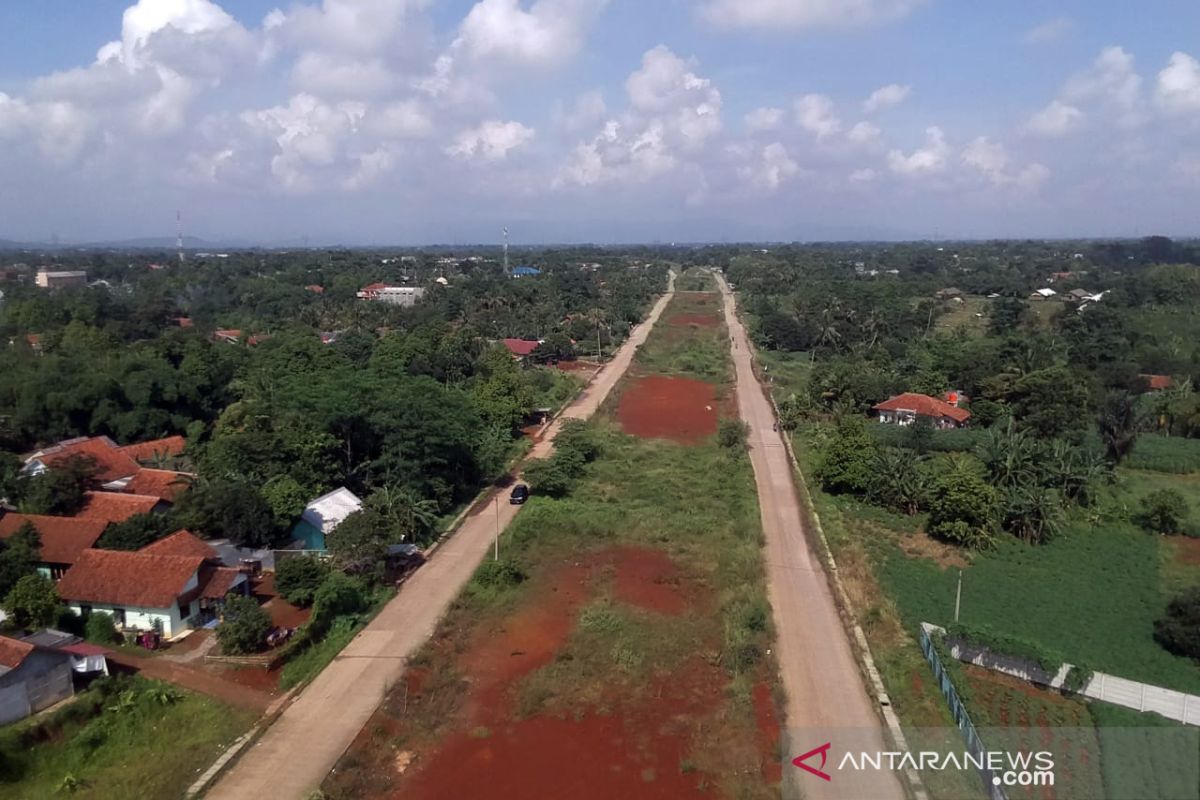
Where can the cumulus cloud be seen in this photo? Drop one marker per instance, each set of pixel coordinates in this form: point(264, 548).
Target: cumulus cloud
point(764, 119)
point(673, 113)
point(1112, 83)
point(816, 114)
point(549, 33)
point(1178, 88)
point(1049, 31)
point(491, 141)
point(886, 96)
point(991, 160)
point(1056, 119)
point(588, 110)
point(799, 14)
point(771, 168)
point(927, 160)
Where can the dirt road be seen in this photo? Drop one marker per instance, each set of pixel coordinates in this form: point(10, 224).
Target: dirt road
point(295, 754)
point(826, 697)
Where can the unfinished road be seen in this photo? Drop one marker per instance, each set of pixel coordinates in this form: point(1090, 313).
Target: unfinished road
point(296, 753)
point(827, 700)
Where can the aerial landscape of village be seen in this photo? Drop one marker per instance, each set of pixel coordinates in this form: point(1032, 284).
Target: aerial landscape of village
point(540, 399)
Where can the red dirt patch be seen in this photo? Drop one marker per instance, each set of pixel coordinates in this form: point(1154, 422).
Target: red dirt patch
point(699, 320)
point(577, 366)
point(285, 615)
point(1187, 550)
point(647, 579)
point(635, 752)
point(660, 407)
point(768, 733)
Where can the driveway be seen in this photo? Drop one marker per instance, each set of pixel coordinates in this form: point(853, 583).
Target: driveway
point(298, 750)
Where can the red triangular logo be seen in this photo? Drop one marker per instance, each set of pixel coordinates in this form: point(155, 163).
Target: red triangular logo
point(824, 751)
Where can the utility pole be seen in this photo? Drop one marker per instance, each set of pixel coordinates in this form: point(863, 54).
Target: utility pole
point(496, 556)
point(506, 251)
point(599, 352)
point(958, 596)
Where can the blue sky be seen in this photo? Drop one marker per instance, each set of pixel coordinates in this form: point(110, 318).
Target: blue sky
point(421, 121)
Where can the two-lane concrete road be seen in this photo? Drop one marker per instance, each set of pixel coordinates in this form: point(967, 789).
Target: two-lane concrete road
point(826, 697)
point(296, 753)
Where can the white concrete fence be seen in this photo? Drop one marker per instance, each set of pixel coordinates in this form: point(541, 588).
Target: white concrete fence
point(1169, 703)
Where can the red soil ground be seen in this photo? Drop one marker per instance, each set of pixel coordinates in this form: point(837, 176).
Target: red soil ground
point(634, 752)
point(699, 320)
point(285, 615)
point(577, 366)
point(768, 733)
point(1187, 550)
point(660, 407)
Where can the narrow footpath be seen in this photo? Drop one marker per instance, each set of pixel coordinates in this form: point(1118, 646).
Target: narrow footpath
point(827, 700)
point(296, 753)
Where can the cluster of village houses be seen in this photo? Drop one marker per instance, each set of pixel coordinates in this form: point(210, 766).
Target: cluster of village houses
point(167, 588)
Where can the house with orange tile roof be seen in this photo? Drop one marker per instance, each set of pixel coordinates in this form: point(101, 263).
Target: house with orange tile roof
point(62, 538)
point(112, 507)
point(112, 466)
point(153, 452)
point(904, 409)
point(150, 590)
point(164, 484)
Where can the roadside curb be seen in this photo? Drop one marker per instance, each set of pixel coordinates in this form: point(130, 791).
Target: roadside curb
point(231, 753)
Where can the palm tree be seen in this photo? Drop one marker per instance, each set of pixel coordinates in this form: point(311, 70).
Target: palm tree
point(900, 482)
point(414, 516)
point(1032, 513)
point(1010, 456)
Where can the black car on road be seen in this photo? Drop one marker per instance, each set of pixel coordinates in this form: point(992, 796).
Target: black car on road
point(519, 495)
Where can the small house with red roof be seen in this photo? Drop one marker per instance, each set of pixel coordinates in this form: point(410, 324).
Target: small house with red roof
point(521, 348)
point(1156, 383)
point(62, 538)
point(904, 409)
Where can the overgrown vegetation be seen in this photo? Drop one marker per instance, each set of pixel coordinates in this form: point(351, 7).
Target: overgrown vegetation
point(92, 747)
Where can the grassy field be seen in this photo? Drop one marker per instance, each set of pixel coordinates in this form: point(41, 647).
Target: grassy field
point(692, 351)
point(123, 739)
point(968, 318)
point(695, 504)
point(1165, 454)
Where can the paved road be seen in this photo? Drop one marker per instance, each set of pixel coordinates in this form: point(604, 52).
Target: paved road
point(297, 752)
point(826, 697)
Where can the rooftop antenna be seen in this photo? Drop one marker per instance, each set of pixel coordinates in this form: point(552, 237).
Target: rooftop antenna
point(506, 250)
point(179, 235)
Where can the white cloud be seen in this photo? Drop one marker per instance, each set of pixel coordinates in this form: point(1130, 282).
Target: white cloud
point(771, 168)
point(1178, 89)
point(925, 160)
point(886, 96)
point(588, 110)
point(1112, 83)
point(864, 175)
point(1049, 31)
point(1056, 119)
point(550, 32)
point(764, 119)
point(815, 113)
point(865, 134)
point(991, 160)
point(491, 141)
point(799, 14)
point(673, 113)
point(310, 136)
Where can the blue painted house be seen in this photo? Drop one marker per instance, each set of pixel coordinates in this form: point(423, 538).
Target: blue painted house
point(525, 272)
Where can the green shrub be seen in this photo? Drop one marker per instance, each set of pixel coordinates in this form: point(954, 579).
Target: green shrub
point(962, 509)
point(552, 477)
point(244, 626)
point(498, 574)
point(1179, 629)
point(1003, 644)
point(100, 628)
point(847, 460)
point(1164, 511)
point(32, 602)
point(338, 596)
point(732, 434)
point(299, 577)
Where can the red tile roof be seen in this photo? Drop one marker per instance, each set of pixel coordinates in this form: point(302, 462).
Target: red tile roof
point(924, 406)
point(315, 288)
point(120, 578)
point(161, 483)
point(168, 447)
point(220, 582)
point(13, 652)
point(232, 334)
point(520, 347)
point(180, 543)
point(111, 463)
point(63, 538)
point(1157, 382)
point(115, 506)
